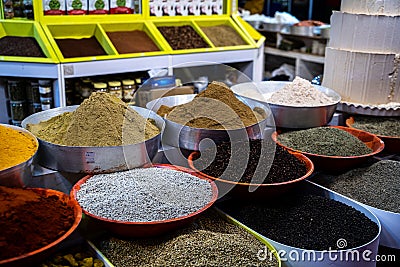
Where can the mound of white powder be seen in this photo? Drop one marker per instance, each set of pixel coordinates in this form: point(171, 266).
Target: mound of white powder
point(302, 93)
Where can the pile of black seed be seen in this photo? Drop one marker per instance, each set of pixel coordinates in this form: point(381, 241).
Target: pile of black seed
point(306, 222)
point(274, 163)
point(377, 185)
point(182, 37)
point(20, 47)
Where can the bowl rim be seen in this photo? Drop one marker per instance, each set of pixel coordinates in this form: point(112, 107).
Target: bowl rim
point(214, 197)
point(72, 108)
point(241, 98)
point(32, 136)
point(275, 134)
point(77, 220)
point(337, 97)
point(299, 156)
point(350, 121)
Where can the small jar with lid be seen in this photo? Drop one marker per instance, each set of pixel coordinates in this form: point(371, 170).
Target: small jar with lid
point(100, 87)
point(129, 88)
point(114, 88)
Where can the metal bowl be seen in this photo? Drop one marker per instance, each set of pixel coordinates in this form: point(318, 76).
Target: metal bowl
point(289, 116)
point(338, 164)
point(21, 174)
point(102, 159)
point(251, 191)
point(39, 255)
point(186, 137)
point(151, 228)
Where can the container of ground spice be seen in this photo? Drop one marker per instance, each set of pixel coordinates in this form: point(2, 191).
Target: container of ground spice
point(18, 148)
point(211, 240)
point(312, 228)
point(332, 149)
point(295, 105)
point(77, 42)
point(34, 221)
point(183, 37)
point(215, 114)
point(151, 201)
point(33, 46)
point(256, 169)
point(223, 33)
point(103, 134)
point(386, 128)
point(376, 187)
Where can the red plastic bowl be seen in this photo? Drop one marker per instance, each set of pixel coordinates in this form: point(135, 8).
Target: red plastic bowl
point(41, 254)
point(153, 228)
point(252, 191)
point(338, 164)
point(392, 144)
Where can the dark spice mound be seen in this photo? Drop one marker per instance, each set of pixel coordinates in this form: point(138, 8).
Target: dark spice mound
point(257, 154)
point(377, 185)
point(182, 37)
point(85, 47)
point(30, 224)
point(20, 47)
point(306, 222)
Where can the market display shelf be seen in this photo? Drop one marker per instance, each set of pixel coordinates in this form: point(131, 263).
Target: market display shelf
point(295, 55)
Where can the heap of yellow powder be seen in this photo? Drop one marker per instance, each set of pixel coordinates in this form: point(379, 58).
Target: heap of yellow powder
point(101, 120)
point(16, 147)
point(215, 108)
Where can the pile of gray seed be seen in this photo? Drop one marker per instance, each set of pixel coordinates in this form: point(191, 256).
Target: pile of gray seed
point(325, 141)
point(377, 185)
point(209, 241)
point(144, 195)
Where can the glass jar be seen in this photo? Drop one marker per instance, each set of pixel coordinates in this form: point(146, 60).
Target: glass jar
point(35, 91)
point(129, 88)
point(114, 88)
point(18, 110)
point(28, 9)
point(16, 90)
point(34, 108)
point(100, 87)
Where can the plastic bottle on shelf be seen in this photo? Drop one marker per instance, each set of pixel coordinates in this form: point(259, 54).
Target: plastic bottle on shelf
point(46, 94)
point(28, 9)
point(100, 87)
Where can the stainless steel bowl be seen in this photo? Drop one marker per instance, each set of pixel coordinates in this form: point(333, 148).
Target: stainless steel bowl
point(272, 27)
point(289, 116)
point(21, 174)
point(186, 137)
point(93, 160)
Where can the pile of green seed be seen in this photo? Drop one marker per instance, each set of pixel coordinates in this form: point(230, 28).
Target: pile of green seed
point(377, 185)
point(209, 241)
point(325, 141)
point(378, 125)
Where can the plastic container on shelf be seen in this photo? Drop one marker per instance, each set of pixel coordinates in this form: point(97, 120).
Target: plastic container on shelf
point(115, 88)
point(100, 87)
point(128, 89)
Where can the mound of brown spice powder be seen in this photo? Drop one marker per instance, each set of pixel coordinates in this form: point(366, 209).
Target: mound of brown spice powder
point(215, 108)
point(101, 120)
